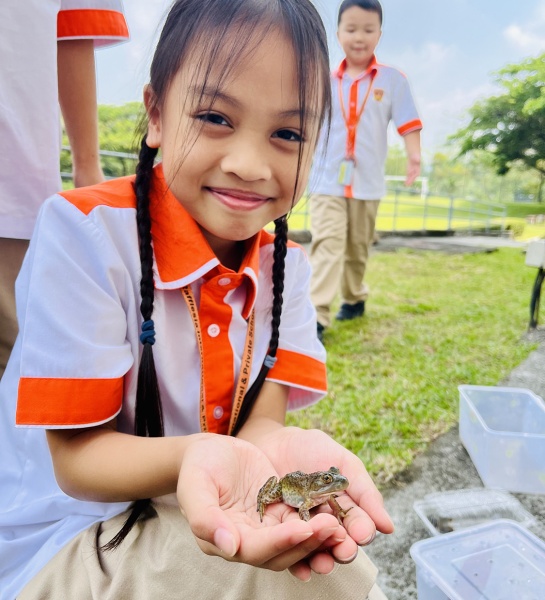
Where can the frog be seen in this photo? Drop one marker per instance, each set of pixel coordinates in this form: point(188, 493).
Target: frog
point(304, 491)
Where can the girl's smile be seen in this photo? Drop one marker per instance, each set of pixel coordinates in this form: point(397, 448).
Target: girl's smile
point(238, 199)
point(231, 144)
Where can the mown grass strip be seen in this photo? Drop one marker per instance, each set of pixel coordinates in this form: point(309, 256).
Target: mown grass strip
point(433, 321)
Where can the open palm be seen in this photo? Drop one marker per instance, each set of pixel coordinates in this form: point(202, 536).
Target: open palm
point(217, 490)
point(293, 449)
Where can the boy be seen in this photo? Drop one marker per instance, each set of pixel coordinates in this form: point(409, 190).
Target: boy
point(348, 172)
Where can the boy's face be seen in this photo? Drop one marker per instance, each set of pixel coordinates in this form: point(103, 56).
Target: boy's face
point(359, 33)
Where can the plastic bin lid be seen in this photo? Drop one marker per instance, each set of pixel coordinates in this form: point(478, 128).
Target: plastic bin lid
point(443, 512)
point(499, 560)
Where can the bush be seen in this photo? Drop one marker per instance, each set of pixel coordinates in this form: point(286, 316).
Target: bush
point(516, 209)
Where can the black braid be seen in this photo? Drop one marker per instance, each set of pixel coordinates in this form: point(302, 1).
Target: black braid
point(148, 412)
point(279, 263)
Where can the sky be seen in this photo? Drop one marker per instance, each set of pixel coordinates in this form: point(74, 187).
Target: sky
point(449, 50)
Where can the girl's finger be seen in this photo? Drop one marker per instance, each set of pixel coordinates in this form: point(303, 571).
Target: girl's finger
point(276, 551)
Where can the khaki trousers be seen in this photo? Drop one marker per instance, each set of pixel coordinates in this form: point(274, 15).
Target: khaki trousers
point(12, 253)
point(342, 233)
point(160, 560)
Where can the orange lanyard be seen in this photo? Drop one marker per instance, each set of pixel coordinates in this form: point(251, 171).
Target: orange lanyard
point(351, 122)
point(245, 365)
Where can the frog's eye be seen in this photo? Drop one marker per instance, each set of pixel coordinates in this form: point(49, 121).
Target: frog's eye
point(328, 478)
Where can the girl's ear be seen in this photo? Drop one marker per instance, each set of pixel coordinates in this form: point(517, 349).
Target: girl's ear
point(153, 139)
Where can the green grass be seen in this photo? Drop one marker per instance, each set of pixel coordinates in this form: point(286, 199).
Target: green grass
point(433, 321)
point(411, 215)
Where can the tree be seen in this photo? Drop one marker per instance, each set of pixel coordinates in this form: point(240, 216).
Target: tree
point(511, 126)
point(117, 132)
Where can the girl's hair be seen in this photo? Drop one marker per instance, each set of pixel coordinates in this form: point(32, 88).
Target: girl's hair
point(208, 25)
point(370, 5)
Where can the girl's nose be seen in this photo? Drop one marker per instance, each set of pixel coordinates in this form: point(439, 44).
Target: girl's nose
point(247, 161)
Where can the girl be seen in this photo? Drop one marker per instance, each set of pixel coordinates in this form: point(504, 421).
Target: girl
point(156, 317)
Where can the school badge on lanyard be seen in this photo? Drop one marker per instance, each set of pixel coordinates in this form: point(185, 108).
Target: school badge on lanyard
point(346, 171)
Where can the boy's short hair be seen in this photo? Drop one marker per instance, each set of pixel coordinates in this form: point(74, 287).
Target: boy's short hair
point(370, 5)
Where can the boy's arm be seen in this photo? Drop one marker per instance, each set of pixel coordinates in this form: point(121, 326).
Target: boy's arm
point(412, 149)
point(78, 101)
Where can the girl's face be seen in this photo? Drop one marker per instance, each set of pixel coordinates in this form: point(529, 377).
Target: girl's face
point(359, 34)
point(231, 159)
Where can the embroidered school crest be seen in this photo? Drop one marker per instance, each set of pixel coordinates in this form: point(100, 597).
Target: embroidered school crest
point(378, 93)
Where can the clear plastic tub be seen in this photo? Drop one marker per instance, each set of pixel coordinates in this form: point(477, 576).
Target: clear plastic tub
point(503, 430)
point(444, 512)
point(499, 560)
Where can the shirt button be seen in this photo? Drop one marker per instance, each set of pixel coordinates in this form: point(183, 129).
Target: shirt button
point(224, 281)
point(218, 412)
point(213, 330)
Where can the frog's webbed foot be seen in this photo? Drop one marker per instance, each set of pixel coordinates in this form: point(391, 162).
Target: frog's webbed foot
point(338, 511)
point(269, 493)
point(304, 514)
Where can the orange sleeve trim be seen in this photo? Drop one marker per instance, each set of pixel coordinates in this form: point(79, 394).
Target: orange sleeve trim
point(66, 402)
point(410, 126)
point(91, 23)
point(300, 370)
point(116, 193)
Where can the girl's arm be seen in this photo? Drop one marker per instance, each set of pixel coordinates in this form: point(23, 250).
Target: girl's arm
point(217, 480)
point(104, 465)
point(268, 413)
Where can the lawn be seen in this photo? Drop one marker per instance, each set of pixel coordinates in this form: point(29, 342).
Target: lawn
point(410, 213)
point(433, 321)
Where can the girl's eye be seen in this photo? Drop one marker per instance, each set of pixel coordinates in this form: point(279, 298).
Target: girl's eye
point(213, 118)
point(289, 135)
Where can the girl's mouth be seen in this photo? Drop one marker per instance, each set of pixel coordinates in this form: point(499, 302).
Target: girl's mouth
point(238, 199)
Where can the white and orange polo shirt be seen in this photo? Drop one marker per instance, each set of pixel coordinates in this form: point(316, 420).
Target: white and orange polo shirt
point(29, 115)
point(76, 359)
point(381, 94)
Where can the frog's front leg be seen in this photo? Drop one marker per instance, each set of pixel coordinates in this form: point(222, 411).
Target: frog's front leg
point(270, 493)
point(338, 511)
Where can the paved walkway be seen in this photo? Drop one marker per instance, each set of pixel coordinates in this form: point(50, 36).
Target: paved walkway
point(460, 244)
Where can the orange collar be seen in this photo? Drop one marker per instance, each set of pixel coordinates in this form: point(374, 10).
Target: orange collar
point(341, 70)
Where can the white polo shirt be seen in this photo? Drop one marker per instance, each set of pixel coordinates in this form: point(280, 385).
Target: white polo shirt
point(76, 359)
point(389, 98)
point(29, 107)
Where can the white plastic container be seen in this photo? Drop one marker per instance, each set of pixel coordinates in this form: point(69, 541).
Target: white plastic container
point(503, 430)
point(443, 512)
point(499, 560)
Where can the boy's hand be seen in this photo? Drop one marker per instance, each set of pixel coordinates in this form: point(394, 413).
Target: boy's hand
point(218, 485)
point(413, 170)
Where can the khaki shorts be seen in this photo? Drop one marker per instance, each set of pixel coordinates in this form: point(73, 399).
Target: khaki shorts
point(160, 559)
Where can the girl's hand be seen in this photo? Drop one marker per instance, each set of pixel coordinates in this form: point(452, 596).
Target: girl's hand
point(218, 484)
point(293, 449)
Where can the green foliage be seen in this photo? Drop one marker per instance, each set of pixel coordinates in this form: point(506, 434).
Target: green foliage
point(516, 209)
point(118, 132)
point(473, 175)
point(510, 126)
point(433, 321)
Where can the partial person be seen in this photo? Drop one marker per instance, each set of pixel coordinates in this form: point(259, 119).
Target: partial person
point(47, 49)
point(163, 335)
point(347, 179)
